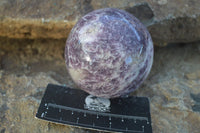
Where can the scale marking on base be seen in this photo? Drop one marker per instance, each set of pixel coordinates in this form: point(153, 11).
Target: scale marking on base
point(75, 107)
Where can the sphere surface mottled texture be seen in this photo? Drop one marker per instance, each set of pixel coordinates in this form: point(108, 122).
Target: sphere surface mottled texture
point(109, 53)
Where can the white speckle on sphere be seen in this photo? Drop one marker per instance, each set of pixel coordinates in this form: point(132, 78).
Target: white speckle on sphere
point(128, 60)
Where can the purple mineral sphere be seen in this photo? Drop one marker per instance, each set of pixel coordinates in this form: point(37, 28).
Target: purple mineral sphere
point(109, 53)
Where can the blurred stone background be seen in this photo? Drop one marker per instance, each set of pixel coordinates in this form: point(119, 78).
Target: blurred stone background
point(32, 41)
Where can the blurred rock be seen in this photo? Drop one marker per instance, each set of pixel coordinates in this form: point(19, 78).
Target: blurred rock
point(195, 75)
point(173, 86)
point(23, 95)
point(169, 21)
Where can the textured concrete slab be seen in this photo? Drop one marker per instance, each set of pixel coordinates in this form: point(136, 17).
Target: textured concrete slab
point(169, 21)
point(27, 66)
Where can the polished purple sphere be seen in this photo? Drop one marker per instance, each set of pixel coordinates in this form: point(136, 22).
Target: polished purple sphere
point(109, 53)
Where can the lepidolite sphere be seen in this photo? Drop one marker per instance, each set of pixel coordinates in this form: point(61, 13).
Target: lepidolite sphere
point(109, 53)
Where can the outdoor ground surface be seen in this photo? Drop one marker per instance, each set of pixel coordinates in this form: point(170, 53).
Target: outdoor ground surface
point(27, 66)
